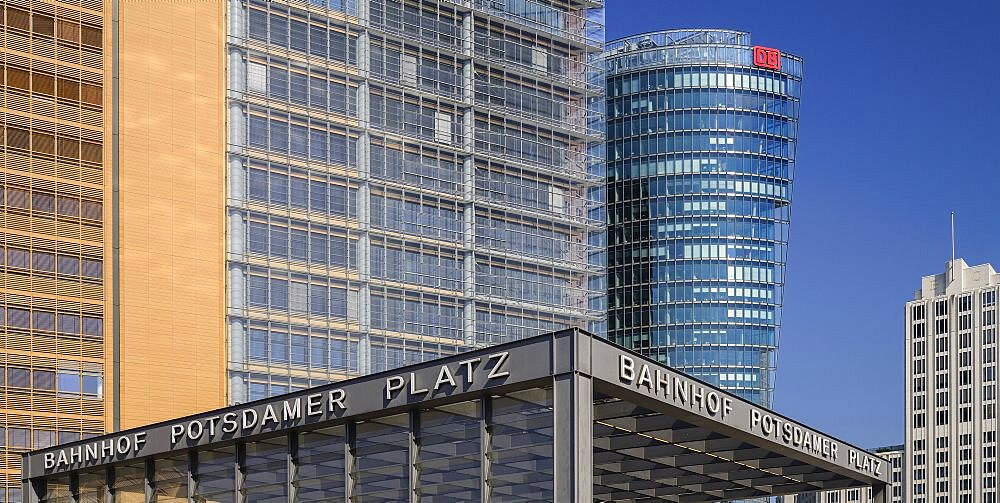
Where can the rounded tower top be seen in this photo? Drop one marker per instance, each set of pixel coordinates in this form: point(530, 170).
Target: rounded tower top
point(705, 46)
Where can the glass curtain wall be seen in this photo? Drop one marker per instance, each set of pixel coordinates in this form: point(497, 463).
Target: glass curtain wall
point(701, 155)
point(408, 179)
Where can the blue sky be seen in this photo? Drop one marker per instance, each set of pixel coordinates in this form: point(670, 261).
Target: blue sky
point(900, 125)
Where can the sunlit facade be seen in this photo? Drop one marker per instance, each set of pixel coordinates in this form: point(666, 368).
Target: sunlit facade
point(701, 155)
point(950, 381)
point(408, 179)
point(52, 223)
point(209, 202)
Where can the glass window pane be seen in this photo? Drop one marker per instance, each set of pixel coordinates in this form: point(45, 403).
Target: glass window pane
point(69, 382)
point(44, 379)
point(382, 459)
point(215, 476)
point(449, 453)
point(57, 490)
point(522, 446)
point(171, 480)
point(321, 465)
point(69, 323)
point(92, 485)
point(66, 437)
point(129, 485)
point(43, 439)
point(18, 438)
point(266, 471)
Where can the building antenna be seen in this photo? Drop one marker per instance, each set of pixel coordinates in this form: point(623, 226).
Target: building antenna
point(953, 236)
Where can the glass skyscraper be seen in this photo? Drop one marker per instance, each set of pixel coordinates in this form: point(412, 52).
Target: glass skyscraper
point(701, 130)
point(408, 179)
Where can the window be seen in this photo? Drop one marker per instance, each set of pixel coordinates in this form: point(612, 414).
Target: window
point(93, 326)
point(92, 268)
point(69, 265)
point(43, 439)
point(69, 323)
point(44, 320)
point(43, 380)
point(319, 352)
point(300, 350)
point(18, 377)
point(279, 347)
point(69, 382)
point(18, 438)
point(258, 344)
point(93, 384)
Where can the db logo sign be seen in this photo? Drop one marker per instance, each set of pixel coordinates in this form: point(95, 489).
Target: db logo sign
point(765, 57)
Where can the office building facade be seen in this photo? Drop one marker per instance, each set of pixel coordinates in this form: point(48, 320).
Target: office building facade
point(211, 202)
point(53, 251)
point(951, 423)
point(407, 180)
point(702, 132)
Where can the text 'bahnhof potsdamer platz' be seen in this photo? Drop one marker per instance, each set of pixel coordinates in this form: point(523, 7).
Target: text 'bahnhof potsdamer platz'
point(565, 417)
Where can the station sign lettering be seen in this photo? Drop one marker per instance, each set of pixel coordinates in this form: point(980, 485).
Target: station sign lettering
point(274, 415)
point(678, 390)
point(455, 378)
point(681, 391)
point(448, 376)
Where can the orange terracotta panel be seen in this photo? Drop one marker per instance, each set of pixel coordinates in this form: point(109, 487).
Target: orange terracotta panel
point(172, 209)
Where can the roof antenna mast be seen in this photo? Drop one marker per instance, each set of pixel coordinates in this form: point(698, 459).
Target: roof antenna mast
point(953, 236)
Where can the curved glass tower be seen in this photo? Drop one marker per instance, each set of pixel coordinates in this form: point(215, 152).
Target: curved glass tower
point(701, 135)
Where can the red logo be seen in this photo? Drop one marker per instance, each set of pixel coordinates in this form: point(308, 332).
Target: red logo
point(765, 57)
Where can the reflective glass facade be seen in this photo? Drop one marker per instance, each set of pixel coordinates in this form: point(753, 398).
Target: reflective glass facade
point(701, 155)
point(408, 179)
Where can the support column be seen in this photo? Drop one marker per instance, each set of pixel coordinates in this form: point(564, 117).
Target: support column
point(192, 478)
point(414, 456)
point(32, 491)
point(74, 488)
point(239, 472)
point(109, 486)
point(363, 160)
point(879, 493)
point(485, 446)
point(350, 446)
point(149, 481)
point(469, 185)
point(292, 464)
point(573, 398)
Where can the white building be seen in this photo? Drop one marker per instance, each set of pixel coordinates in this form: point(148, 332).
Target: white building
point(951, 387)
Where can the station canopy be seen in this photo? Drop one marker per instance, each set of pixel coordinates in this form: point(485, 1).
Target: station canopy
point(565, 417)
